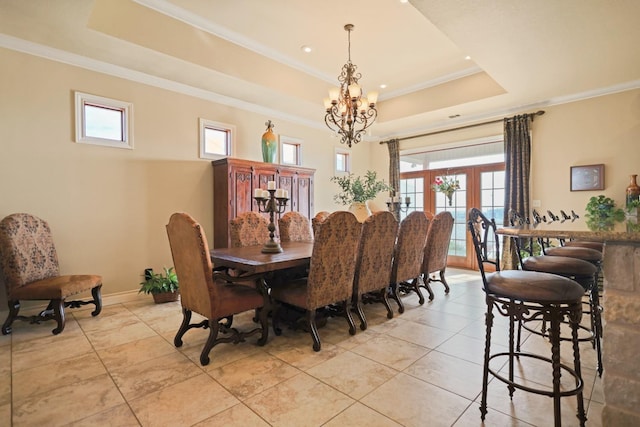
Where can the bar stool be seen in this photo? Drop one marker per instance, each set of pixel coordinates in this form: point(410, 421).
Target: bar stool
point(521, 296)
point(598, 246)
point(583, 272)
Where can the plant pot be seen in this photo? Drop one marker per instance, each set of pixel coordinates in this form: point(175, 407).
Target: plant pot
point(165, 297)
point(360, 210)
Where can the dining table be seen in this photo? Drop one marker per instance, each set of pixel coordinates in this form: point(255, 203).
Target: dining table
point(621, 305)
point(251, 259)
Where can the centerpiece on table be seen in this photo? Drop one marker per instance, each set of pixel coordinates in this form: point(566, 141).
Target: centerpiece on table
point(446, 185)
point(356, 191)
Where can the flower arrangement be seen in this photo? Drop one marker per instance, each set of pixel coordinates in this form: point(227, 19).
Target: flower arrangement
point(357, 189)
point(446, 185)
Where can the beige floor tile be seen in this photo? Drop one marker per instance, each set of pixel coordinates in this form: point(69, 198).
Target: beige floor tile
point(5, 414)
point(184, 403)
point(594, 414)
point(236, 416)
point(299, 401)
point(412, 402)
point(5, 340)
point(48, 349)
point(597, 393)
point(378, 349)
point(69, 403)
point(471, 418)
point(439, 319)
point(352, 374)
point(425, 336)
point(126, 333)
point(25, 331)
point(47, 378)
point(146, 377)
point(252, 375)
point(450, 373)
point(360, 415)
point(471, 311)
point(297, 350)
point(467, 348)
point(134, 352)
point(118, 416)
point(112, 316)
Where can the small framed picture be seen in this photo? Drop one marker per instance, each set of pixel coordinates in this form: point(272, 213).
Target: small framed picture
point(587, 178)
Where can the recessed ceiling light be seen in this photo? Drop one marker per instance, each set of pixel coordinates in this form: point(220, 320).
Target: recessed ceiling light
point(468, 58)
point(383, 86)
point(306, 49)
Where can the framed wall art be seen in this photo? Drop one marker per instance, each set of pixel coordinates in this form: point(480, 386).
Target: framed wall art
point(587, 178)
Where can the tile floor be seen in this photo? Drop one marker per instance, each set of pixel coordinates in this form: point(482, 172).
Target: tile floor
point(421, 368)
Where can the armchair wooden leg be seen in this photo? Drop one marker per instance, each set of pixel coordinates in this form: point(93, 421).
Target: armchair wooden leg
point(14, 308)
point(347, 313)
point(184, 327)
point(385, 300)
point(211, 341)
point(357, 307)
point(313, 329)
point(444, 282)
point(97, 299)
point(58, 314)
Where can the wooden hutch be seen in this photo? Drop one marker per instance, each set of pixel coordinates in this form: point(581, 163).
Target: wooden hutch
point(234, 181)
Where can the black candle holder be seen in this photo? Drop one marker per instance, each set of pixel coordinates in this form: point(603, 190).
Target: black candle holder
point(396, 207)
point(271, 205)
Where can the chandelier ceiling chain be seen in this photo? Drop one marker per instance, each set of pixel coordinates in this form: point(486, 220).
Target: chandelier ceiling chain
point(348, 112)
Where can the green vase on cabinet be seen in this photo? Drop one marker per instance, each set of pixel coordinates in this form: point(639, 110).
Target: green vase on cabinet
point(269, 144)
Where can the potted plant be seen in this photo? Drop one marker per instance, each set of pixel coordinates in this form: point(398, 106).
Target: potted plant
point(446, 185)
point(163, 287)
point(632, 207)
point(356, 191)
point(602, 213)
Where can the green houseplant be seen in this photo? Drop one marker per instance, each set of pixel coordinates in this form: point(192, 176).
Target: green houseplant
point(162, 286)
point(602, 213)
point(356, 191)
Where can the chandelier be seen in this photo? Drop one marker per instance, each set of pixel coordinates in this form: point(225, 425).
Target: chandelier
point(349, 112)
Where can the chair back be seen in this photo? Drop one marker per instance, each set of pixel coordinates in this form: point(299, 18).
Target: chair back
point(248, 229)
point(295, 227)
point(192, 263)
point(333, 258)
point(27, 252)
point(317, 220)
point(409, 250)
point(485, 241)
point(436, 247)
point(375, 253)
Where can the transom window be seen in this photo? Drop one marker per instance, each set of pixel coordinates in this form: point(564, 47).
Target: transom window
point(216, 139)
point(290, 150)
point(342, 161)
point(103, 121)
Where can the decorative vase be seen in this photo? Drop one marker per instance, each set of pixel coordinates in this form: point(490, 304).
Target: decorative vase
point(633, 190)
point(449, 195)
point(360, 210)
point(269, 144)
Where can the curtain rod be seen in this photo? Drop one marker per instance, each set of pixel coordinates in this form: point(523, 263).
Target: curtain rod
point(532, 115)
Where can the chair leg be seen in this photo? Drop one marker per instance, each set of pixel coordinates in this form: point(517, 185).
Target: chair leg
point(443, 280)
point(385, 300)
point(214, 327)
point(395, 294)
point(313, 329)
point(576, 366)
point(275, 318)
point(357, 307)
point(554, 337)
point(184, 327)
point(263, 313)
point(427, 286)
point(416, 283)
point(347, 313)
point(58, 314)
point(97, 299)
point(487, 352)
point(14, 308)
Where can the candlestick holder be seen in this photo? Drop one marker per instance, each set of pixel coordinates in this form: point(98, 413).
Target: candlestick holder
point(395, 207)
point(271, 205)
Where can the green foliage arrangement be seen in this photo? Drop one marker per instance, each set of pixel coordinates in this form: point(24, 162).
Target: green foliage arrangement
point(159, 283)
point(602, 213)
point(357, 189)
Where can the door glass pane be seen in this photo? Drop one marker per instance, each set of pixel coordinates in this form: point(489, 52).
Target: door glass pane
point(458, 208)
point(414, 189)
point(492, 195)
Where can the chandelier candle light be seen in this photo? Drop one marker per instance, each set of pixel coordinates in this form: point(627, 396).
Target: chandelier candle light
point(349, 112)
point(271, 201)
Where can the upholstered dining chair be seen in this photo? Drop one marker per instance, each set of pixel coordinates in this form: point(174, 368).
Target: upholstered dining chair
point(317, 220)
point(436, 248)
point(295, 227)
point(208, 293)
point(373, 263)
point(30, 270)
point(248, 229)
point(407, 257)
point(331, 273)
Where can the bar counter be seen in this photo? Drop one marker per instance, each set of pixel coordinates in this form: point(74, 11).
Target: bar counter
point(621, 315)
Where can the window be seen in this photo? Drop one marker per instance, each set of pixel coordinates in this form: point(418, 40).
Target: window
point(103, 121)
point(343, 161)
point(290, 150)
point(216, 139)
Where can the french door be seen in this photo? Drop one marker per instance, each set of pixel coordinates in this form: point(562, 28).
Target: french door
point(480, 186)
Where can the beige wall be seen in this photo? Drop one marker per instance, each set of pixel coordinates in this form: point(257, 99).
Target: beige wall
point(108, 207)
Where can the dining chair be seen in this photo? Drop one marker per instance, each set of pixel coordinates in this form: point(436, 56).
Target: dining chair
point(407, 257)
point(30, 270)
point(213, 295)
point(436, 250)
point(330, 279)
point(522, 296)
point(317, 220)
point(373, 263)
point(295, 227)
point(248, 229)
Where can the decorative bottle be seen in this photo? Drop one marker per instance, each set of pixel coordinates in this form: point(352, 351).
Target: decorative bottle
point(269, 144)
point(633, 190)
